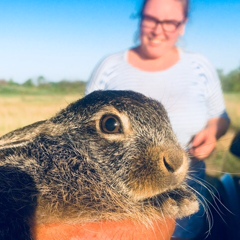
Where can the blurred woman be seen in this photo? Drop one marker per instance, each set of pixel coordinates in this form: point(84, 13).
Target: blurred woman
point(186, 84)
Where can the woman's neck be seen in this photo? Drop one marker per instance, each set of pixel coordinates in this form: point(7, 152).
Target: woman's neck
point(138, 60)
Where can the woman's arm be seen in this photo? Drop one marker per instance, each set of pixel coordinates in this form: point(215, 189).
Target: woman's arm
point(205, 141)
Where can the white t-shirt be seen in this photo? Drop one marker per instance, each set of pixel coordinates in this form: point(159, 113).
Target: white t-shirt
point(190, 90)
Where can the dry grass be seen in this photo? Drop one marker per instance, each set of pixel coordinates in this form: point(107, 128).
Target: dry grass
point(222, 160)
point(19, 111)
point(233, 107)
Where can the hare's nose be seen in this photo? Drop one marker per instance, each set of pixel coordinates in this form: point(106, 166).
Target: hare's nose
point(172, 161)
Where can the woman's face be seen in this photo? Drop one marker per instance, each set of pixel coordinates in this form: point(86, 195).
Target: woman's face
point(159, 38)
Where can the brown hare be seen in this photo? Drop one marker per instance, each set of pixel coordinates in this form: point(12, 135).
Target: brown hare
point(109, 156)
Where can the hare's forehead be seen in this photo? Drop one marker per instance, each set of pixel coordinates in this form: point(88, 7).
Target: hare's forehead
point(110, 110)
point(127, 113)
point(129, 116)
point(129, 110)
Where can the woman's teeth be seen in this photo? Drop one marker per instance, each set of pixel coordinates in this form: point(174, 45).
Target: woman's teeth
point(156, 41)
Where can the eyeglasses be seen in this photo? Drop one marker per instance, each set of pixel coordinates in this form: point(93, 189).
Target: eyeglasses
point(167, 25)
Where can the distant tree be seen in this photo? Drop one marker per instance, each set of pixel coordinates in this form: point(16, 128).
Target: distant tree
point(41, 81)
point(12, 83)
point(231, 81)
point(221, 74)
point(3, 82)
point(28, 83)
point(233, 78)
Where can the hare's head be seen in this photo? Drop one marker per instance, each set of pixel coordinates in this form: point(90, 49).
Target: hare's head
point(110, 144)
point(130, 137)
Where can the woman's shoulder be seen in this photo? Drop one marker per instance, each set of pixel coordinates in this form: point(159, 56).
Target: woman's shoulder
point(113, 59)
point(104, 70)
point(199, 64)
point(197, 58)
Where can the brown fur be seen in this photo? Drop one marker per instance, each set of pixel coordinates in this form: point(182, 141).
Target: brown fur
point(69, 169)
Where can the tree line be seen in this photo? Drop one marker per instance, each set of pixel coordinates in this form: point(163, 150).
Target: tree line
point(230, 83)
point(41, 86)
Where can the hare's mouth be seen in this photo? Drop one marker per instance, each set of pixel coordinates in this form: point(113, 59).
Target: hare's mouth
point(177, 194)
point(177, 203)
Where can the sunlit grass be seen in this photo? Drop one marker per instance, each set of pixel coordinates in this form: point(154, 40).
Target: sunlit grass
point(18, 111)
point(233, 108)
point(222, 160)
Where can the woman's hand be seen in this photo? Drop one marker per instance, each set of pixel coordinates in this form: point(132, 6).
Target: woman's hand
point(205, 141)
point(203, 144)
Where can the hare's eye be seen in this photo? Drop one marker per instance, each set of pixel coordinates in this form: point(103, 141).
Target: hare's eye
point(110, 124)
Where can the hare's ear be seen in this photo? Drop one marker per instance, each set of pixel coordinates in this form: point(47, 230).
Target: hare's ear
point(21, 136)
point(13, 144)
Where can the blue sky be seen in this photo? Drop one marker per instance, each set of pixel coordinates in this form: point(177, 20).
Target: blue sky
point(65, 39)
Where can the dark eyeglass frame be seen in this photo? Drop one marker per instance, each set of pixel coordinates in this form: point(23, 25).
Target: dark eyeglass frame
point(173, 23)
